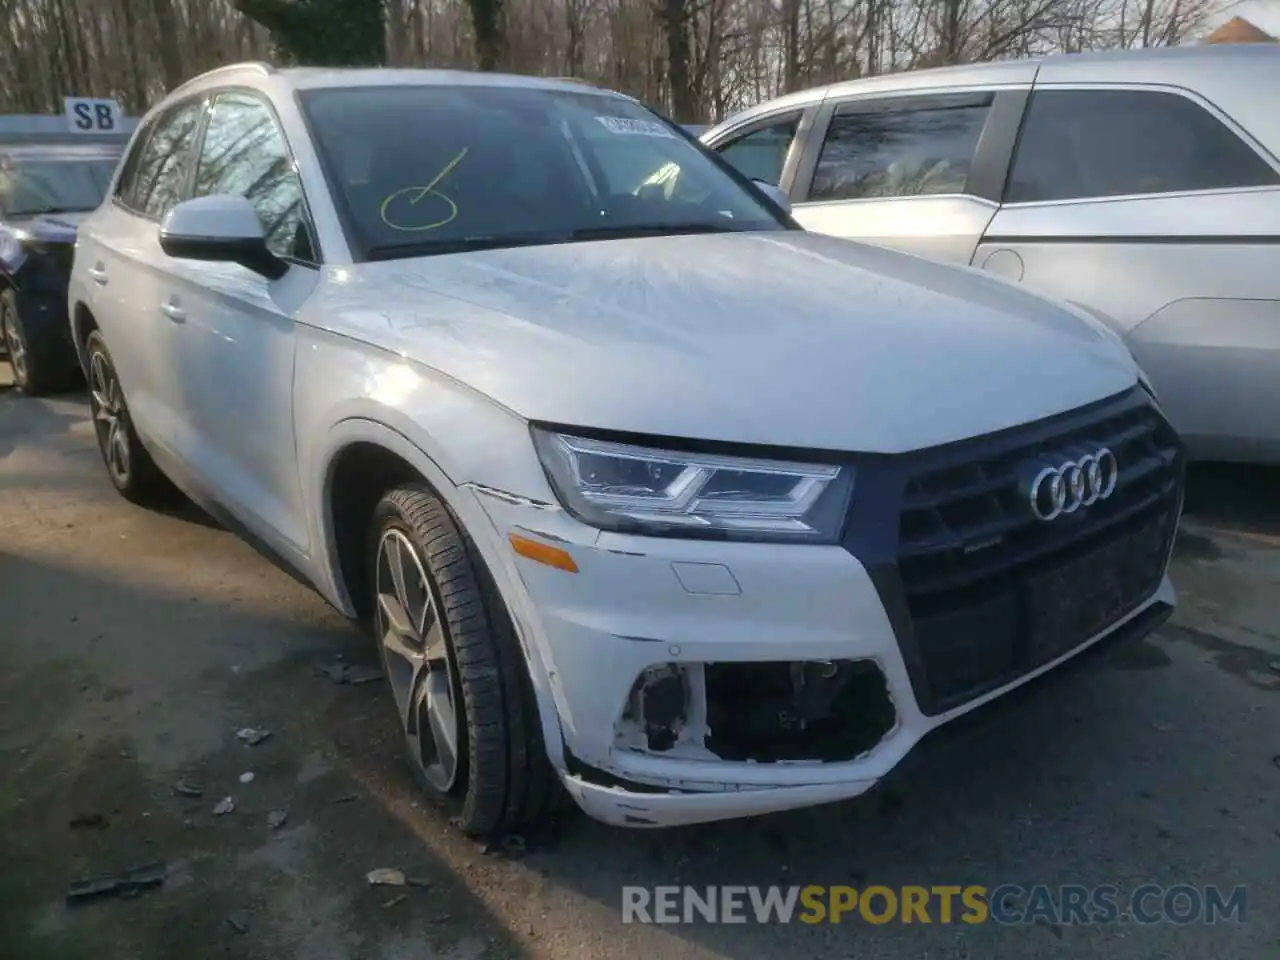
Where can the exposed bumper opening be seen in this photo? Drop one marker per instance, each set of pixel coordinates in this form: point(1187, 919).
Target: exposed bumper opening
point(767, 712)
point(825, 711)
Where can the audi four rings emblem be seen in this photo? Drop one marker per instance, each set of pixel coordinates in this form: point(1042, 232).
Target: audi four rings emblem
point(1080, 480)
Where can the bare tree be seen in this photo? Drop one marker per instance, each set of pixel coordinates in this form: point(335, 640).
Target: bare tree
point(696, 59)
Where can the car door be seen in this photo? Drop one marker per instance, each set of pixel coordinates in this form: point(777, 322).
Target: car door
point(1154, 210)
point(234, 329)
point(920, 172)
point(121, 257)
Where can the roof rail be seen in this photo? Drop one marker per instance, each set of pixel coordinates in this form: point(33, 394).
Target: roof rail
point(585, 83)
point(260, 66)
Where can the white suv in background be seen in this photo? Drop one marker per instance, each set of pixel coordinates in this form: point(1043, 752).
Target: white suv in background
point(662, 499)
point(1143, 185)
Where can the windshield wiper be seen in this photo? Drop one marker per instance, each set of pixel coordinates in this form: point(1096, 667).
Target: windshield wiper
point(429, 248)
point(621, 231)
point(498, 241)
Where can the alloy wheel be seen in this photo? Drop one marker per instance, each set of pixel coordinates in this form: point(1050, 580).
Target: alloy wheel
point(17, 346)
point(110, 418)
point(417, 660)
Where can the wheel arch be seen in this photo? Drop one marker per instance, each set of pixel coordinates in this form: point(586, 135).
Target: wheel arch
point(364, 455)
point(357, 476)
point(83, 323)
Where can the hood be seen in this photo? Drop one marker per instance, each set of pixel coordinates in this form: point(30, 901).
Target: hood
point(52, 227)
point(784, 338)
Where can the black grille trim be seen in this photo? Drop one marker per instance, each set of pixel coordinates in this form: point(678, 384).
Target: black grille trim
point(953, 552)
point(965, 521)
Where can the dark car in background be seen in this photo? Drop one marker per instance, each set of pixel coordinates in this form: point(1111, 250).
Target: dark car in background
point(47, 186)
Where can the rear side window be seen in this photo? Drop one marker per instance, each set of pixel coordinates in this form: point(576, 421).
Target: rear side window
point(160, 176)
point(128, 180)
point(910, 147)
point(762, 153)
point(1082, 144)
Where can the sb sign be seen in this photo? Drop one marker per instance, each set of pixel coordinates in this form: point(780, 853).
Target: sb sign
point(87, 115)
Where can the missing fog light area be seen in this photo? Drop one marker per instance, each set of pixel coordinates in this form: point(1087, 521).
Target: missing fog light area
point(666, 708)
point(768, 712)
point(817, 711)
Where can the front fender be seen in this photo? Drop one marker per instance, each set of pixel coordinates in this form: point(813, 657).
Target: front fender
point(493, 550)
point(454, 438)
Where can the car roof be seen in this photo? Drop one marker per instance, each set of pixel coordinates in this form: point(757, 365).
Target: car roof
point(316, 78)
point(41, 127)
point(61, 151)
point(1145, 64)
point(310, 78)
point(1210, 65)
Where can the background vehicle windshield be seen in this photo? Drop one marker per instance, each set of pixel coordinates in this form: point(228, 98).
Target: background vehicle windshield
point(35, 185)
point(425, 165)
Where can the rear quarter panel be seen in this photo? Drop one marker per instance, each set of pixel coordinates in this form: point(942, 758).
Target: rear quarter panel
point(1192, 281)
point(1193, 284)
point(1129, 257)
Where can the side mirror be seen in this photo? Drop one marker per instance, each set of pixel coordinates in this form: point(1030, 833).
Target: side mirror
point(774, 193)
point(220, 229)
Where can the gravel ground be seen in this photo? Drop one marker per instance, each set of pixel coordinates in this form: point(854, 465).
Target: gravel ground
point(135, 645)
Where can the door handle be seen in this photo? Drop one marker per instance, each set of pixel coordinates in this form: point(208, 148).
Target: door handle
point(99, 275)
point(173, 312)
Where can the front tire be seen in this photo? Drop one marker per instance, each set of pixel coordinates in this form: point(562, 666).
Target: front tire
point(130, 468)
point(455, 668)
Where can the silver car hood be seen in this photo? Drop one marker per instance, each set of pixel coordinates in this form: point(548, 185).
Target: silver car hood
point(774, 338)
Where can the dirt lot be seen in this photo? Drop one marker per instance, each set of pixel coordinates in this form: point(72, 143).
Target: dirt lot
point(135, 645)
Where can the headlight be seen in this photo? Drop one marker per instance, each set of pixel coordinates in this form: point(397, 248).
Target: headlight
point(12, 251)
point(617, 486)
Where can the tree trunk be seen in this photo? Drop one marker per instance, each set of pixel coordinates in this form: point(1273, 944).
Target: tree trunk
point(486, 21)
point(791, 29)
point(339, 33)
point(675, 27)
point(171, 64)
point(573, 25)
point(128, 26)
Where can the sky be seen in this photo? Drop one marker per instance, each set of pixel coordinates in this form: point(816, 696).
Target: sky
point(1264, 14)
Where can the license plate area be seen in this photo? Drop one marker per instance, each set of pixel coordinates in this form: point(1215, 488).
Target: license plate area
point(1079, 597)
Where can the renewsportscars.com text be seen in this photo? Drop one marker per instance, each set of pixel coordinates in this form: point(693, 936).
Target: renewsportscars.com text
point(1004, 904)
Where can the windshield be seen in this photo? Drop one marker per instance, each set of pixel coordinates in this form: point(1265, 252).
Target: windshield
point(426, 169)
point(32, 186)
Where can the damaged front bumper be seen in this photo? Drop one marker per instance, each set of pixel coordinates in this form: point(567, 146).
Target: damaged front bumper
point(696, 681)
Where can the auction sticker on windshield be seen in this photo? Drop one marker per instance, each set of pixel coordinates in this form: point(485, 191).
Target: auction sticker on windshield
point(628, 127)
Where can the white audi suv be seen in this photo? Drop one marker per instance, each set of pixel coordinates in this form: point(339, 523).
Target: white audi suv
point(646, 493)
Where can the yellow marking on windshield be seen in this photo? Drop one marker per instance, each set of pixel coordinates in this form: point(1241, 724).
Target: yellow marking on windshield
point(418, 194)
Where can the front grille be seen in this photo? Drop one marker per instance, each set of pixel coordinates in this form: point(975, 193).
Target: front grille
point(992, 592)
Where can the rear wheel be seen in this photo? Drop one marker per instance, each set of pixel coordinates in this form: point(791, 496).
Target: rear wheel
point(132, 471)
point(455, 668)
point(40, 361)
